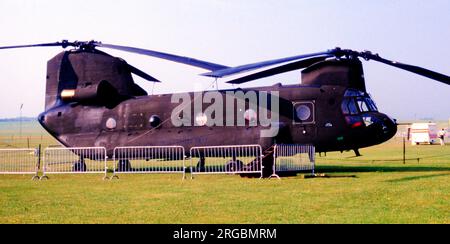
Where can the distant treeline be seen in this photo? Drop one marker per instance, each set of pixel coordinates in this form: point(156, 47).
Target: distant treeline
point(18, 119)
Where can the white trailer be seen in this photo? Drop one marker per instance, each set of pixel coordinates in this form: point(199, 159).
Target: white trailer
point(423, 133)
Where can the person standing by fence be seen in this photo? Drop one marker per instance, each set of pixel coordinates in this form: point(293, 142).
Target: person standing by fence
point(441, 135)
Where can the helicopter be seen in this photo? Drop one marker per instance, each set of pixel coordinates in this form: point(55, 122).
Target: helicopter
point(92, 100)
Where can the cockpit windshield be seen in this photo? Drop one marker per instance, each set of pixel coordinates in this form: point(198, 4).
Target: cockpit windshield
point(349, 106)
point(356, 102)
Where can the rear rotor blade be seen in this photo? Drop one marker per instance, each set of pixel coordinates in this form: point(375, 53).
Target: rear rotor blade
point(142, 74)
point(278, 70)
point(63, 44)
point(167, 56)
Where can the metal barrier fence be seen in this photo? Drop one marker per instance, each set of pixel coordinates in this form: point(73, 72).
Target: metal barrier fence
point(74, 160)
point(293, 158)
point(149, 159)
point(19, 161)
point(226, 159)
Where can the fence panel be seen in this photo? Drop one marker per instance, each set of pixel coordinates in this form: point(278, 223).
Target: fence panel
point(293, 158)
point(149, 159)
point(235, 159)
point(19, 161)
point(74, 160)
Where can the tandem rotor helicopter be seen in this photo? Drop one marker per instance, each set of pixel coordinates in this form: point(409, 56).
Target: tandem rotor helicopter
point(92, 100)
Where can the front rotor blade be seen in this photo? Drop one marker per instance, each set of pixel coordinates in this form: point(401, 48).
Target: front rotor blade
point(278, 70)
point(253, 66)
point(411, 68)
point(167, 56)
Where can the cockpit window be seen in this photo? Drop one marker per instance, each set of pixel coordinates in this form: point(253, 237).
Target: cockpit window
point(349, 106)
point(362, 105)
point(371, 104)
point(353, 93)
point(357, 102)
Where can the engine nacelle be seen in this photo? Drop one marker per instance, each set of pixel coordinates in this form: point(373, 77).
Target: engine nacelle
point(101, 93)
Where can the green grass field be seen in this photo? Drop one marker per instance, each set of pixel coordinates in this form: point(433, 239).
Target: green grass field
point(381, 189)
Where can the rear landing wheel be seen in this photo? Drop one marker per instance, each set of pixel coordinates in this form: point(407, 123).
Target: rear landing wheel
point(79, 166)
point(201, 165)
point(123, 165)
point(234, 166)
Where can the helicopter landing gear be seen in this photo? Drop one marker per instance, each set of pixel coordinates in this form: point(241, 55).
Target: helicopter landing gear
point(234, 166)
point(124, 165)
point(311, 156)
point(79, 166)
point(201, 164)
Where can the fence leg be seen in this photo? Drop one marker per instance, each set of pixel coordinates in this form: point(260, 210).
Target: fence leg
point(274, 176)
point(44, 177)
point(274, 166)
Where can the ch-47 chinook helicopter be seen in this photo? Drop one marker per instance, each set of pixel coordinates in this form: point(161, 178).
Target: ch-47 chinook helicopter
point(92, 100)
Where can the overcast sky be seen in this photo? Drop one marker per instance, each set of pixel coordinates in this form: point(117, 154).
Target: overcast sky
point(233, 32)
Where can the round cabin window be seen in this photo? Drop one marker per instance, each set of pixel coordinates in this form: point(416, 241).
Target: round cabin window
point(303, 112)
point(250, 115)
point(154, 121)
point(201, 119)
point(111, 123)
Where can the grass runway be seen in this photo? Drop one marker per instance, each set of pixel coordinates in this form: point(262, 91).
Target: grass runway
point(384, 191)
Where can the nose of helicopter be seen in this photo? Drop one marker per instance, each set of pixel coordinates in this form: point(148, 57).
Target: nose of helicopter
point(41, 118)
point(383, 127)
